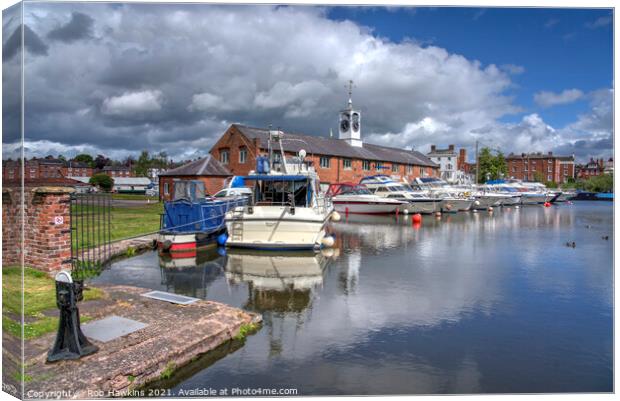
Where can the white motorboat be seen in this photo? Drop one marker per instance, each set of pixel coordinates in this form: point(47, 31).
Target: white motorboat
point(452, 199)
point(414, 201)
point(357, 199)
point(286, 212)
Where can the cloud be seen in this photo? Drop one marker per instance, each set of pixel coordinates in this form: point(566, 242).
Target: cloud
point(173, 76)
point(599, 22)
point(549, 99)
point(32, 42)
point(551, 22)
point(513, 69)
point(79, 27)
point(130, 103)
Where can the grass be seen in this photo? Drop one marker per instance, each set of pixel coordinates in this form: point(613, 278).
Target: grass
point(133, 197)
point(39, 296)
point(245, 330)
point(168, 370)
point(125, 222)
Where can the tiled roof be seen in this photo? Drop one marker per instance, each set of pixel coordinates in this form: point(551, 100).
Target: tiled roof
point(537, 156)
point(205, 166)
point(336, 147)
point(115, 168)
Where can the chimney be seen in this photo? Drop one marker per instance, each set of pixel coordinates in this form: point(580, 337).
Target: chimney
point(451, 148)
point(432, 148)
point(462, 157)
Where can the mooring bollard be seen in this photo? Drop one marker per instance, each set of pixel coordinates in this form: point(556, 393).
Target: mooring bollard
point(70, 342)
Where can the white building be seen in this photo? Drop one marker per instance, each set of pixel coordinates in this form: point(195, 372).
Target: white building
point(448, 162)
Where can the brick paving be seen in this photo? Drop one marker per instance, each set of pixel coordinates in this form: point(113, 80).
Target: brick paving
point(174, 336)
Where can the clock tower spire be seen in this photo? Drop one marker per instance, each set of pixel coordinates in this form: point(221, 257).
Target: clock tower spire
point(350, 122)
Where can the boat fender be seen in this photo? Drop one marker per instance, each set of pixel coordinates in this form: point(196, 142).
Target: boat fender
point(336, 216)
point(166, 245)
point(405, 211)
point(477, 203)
point(328, 241)
point(222, 238)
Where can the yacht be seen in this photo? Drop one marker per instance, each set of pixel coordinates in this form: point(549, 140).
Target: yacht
point(413, 201)
point(357, 199)
point(452, 199)
point(286, 211)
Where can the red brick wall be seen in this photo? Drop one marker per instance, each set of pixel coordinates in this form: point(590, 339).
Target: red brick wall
point(212, 184)
point(233, 140)
point(47, 243)
point(516, 169)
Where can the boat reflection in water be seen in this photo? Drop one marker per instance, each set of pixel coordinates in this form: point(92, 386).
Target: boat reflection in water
point(277, 281)
point(191, 276)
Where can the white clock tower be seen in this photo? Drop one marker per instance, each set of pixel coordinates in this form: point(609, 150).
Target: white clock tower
point(350, 123)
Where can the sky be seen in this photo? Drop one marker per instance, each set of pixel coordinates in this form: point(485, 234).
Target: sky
point(120, 78)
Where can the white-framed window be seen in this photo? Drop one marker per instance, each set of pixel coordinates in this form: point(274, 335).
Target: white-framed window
point(224, 156)
point(525, 167)
point(378, 166)
point(166, 189)
point(514, 169)
point(394, 168)
point(549, 169)
point(448, 166)
point(549, 178)
point(243, 155)
point(346, 164)
point(549, 161)
point(409, 169)
point(421, 171)
point(324, 162)
point(366, 165)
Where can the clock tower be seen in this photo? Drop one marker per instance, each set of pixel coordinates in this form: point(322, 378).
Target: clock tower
point(350, 123)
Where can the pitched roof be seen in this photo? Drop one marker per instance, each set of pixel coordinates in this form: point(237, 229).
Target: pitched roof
point(336, 147)
point(205, 166)
point(539, 155)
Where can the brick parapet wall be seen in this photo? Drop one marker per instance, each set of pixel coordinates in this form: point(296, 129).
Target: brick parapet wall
point(47, 234)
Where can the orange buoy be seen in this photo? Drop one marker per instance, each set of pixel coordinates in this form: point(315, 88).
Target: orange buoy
point(416, 218)
point(416, 226)
point(547, 204)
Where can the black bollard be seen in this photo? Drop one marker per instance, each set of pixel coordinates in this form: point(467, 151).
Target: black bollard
point(70, 342)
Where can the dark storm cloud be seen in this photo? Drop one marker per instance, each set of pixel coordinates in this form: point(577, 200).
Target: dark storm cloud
point(33, 43)
point(173, 77)
point(79, 27)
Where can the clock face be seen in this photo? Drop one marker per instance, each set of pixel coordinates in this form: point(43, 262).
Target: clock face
point(344, 125)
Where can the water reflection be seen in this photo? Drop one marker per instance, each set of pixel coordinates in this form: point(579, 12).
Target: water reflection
point(467, 302)
point(275, 281)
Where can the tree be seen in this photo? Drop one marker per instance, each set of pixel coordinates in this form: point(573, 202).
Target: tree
point(101, 161)
point(85, 158)
point(103, 181)
point(143, 164)
point(491, 167)
point(539, 177)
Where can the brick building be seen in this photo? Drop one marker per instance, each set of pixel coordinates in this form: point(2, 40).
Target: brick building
point(41, 168)
point(552, 168)
point(594, 168)
point(117, 171)
point(335, 160)
point(208, 170)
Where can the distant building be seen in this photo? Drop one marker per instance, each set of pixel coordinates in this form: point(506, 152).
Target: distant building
point(447, 159)
point(595, 168)
point(117, 171)
point(552, 168)
point(208, 170)
point(42, 168)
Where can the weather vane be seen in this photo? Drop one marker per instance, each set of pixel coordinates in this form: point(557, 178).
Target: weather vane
point(350, 86)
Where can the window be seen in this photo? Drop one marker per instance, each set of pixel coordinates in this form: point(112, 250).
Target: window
point(514, 169)
point(448, 166)
point(525, 167)
point(549, 169)
point(243, 155)
point(324, 162)
point(549, 161)
point(394, 168)
point(549, 178)
point(166, 191)
point(378, 166)
point(346, 163)
point(421, 171)
point(224, 156)
point(365, 165)
point(409, 169)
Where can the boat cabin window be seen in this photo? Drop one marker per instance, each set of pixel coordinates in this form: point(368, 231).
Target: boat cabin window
point(282, 193)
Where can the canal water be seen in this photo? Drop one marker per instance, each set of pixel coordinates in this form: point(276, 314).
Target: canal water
point(466, 303)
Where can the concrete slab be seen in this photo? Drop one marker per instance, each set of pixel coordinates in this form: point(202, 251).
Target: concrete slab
point(170, 297)
point(111, 327)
